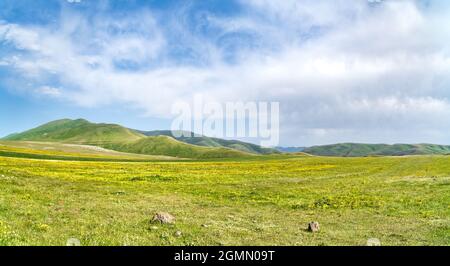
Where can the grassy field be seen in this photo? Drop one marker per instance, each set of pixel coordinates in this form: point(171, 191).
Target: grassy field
point(262, 200)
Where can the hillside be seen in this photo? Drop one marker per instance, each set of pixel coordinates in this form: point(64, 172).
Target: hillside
point(356, 149)
point(290, 149)
point(214, 142)
point(71, 152)
point(121, 139)
point(172, 147)
point(77, 131)
point(118, 138)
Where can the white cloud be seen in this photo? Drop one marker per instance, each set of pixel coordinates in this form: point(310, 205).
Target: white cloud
point(48, 91)
point(22, 38)
point(341, 71)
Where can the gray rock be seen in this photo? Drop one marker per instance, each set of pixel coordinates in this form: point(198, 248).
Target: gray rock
point(373, 242)
point(314, 227)
point(163, 218)
point(178, 233)
point(73, 242)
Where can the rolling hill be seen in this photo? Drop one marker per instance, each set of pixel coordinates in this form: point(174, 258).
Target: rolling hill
point(77, 131)
point(118, 138)
point(165, 145)
point(357, 149)
point(122, 139)
point(290, 149)
point(214, 142)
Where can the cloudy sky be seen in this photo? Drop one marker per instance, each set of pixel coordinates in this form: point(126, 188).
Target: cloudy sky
point(343, 71)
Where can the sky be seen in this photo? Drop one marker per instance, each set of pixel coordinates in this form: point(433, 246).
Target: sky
point(372, 71)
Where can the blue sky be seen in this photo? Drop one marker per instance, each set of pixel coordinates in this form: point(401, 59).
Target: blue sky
point(20, 110)
point(343, 71)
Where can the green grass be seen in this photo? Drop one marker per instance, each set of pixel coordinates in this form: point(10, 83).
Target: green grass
point(168, 146)
point(71, 152)
point(258, 200)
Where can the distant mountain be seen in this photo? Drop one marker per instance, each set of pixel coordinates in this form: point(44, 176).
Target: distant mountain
point(357, 149)
point(116, 137)
point(214, 142)
point(290, 149)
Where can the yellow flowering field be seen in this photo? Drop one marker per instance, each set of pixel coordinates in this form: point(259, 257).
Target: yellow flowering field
point(263, 200)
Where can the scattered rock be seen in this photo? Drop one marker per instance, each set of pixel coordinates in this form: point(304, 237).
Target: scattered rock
point(205, 225)
point(314, 227)
point(73, 242)
point(373, 242)
point(178, 233)
point(163, 218)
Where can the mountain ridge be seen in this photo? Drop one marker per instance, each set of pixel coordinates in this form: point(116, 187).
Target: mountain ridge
point(362, 150)
point(213, 142)
point(162, 142)
point(119, 138)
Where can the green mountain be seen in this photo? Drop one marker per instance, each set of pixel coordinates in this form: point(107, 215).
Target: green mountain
point(78, 131)
point(118, 138)
point(357, 149)
point(290, 149)
point(213, 142)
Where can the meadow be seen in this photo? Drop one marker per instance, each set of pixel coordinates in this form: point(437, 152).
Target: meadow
point(260, 200)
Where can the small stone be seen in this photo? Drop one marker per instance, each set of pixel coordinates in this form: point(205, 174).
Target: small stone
point(373, 242)
point(178, 233)
point(163, 218)
point(314, 227)
point(205, 225)
point(73, 242)
point(154, 228)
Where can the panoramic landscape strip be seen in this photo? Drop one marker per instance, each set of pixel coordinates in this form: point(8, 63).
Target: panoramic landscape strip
point(61, 184)
point(211, 131)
